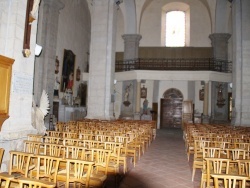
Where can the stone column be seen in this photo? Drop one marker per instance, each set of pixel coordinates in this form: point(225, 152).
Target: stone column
point(131, 46)
point(102, 58)
point(241, 56)
point(220, 51)
point(205, 117)
point(137, 115)
point(44, 78)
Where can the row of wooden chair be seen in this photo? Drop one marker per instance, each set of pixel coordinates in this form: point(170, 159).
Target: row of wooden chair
point(92, 170)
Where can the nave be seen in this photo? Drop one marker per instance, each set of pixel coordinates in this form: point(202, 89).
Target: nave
point(164, 165)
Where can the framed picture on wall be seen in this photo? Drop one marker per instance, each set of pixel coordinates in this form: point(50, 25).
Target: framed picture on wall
point(201, 94)
point(143, 92)
point(68, 70)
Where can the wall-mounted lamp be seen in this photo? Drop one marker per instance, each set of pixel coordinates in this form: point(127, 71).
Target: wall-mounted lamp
point(38, 50)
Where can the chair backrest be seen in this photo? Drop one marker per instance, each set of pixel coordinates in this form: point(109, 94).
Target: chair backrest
point(32, 146)
point(70, 135)
point(229, 181)
point(33, 183)
point(70, 141)
point(54, 133)
point(75, 152)
point(5, 180)
point(1, 156)
point(236, 154)
point(211, 152)
point(52, 139)
point(47, 168)
point(78, 171)
point(55, 150)
point(19, 163)
point(244, 167)
point(35, 137)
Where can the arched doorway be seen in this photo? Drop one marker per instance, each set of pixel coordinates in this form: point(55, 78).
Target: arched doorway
point(171, 108)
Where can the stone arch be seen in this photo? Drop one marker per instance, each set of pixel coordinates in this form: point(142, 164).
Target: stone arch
point(172, 93)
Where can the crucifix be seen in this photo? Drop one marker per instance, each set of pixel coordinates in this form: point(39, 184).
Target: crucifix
point(32, 7)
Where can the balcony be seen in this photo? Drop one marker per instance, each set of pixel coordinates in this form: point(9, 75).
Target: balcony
point(174, 64)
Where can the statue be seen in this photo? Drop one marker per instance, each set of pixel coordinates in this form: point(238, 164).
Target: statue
point(145, 106)
point(38, 113)
point(126, 95)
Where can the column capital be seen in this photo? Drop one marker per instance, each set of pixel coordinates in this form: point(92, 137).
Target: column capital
point(219, 36)
point(56, 4)
point(220, 45)
point(131, 45)
point(131, 37)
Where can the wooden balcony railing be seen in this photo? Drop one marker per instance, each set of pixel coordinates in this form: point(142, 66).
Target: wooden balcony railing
point(192, 64)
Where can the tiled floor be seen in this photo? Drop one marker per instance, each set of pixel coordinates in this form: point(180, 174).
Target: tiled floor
point(164, 164)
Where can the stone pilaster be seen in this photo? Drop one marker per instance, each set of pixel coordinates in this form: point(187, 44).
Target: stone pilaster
point(137, 114)
point(220, 51)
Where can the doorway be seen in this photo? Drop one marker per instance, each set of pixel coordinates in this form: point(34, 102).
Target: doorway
point(171, 108)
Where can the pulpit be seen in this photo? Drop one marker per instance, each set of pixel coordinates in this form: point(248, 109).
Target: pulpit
point(5, 77)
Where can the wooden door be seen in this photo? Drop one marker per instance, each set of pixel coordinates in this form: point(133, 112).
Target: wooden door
point(171, 112)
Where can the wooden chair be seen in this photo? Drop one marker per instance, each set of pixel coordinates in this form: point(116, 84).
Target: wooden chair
point(33, 183)
point(229, 181)
point(5, 180)
point(46, 168)
point(198, 157)
point(114, 161)
point(215, 166)
point(77, 171)
point(208, 152)
point(1, 156)
point(20, 163)
point(99, 173)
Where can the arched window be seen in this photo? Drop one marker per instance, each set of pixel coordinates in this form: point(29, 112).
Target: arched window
point(169, 10)
point(175, 29)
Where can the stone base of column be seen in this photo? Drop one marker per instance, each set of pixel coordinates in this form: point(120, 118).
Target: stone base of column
point(137, 116)
point(205, 119)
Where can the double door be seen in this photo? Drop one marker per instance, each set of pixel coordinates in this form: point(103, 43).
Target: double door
point(171, 112)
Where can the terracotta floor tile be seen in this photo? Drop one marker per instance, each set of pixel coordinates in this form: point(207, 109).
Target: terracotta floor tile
point(163, 165)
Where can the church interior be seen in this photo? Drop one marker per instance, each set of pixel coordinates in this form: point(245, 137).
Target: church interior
point(134, 76)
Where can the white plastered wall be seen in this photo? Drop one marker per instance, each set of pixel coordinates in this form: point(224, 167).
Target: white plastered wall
point(74, 34)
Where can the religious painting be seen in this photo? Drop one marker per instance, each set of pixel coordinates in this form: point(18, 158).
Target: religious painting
point(143, 92)
point(201, 94)
point(68, 71)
